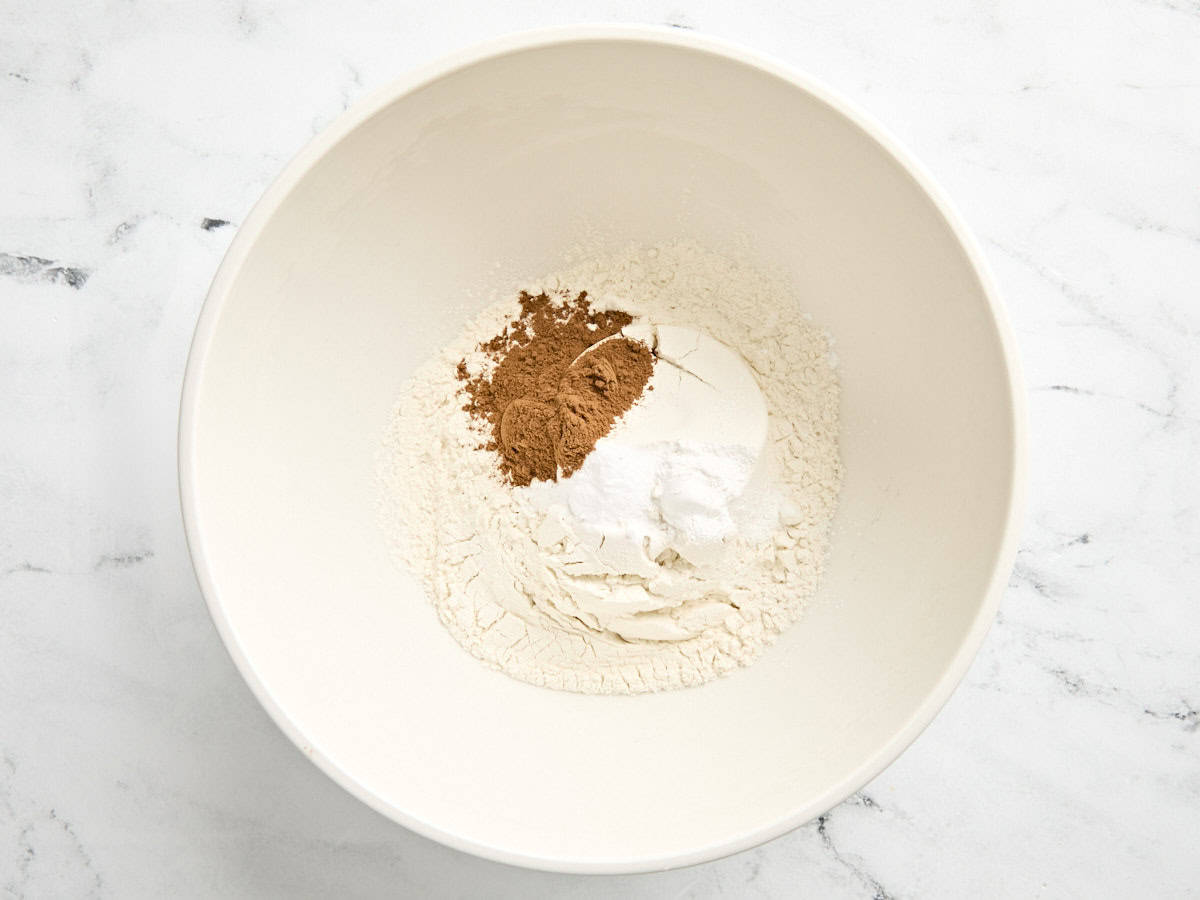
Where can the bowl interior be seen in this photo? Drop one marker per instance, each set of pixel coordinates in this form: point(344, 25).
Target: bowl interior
point(361, 265)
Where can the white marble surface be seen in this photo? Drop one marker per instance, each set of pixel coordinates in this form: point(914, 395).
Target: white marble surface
point(134, 136)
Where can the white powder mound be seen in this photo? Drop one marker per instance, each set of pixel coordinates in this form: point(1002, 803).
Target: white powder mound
point(504, 574)
point(675, 494)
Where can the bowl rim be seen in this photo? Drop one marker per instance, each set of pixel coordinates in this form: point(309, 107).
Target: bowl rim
point(415, 79)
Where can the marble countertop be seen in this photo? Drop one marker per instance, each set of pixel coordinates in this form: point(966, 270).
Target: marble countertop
point(134, 137)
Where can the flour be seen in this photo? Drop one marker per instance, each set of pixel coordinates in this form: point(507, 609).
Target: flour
point(525, 593)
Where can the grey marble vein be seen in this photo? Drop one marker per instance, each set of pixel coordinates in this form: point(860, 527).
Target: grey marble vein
point(34, 268)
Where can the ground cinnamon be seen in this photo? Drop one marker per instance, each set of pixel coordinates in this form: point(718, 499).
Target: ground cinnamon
point(563, 376)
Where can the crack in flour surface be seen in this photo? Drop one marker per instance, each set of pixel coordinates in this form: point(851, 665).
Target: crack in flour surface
point(517, 587)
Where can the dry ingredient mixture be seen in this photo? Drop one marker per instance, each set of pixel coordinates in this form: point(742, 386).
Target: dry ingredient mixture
point(620, 480)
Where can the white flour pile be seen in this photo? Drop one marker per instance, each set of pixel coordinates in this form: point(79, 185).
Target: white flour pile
point(523, 577)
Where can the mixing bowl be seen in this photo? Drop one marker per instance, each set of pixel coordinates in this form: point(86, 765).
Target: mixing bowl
point(372, 249)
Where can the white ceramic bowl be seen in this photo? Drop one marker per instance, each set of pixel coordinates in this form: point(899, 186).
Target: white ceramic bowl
point(484, 169)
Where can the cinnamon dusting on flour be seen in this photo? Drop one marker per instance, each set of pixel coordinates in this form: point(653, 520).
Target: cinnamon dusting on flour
point(562, 376)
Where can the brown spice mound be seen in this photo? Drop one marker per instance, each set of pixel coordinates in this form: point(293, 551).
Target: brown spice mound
point(558, 385)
